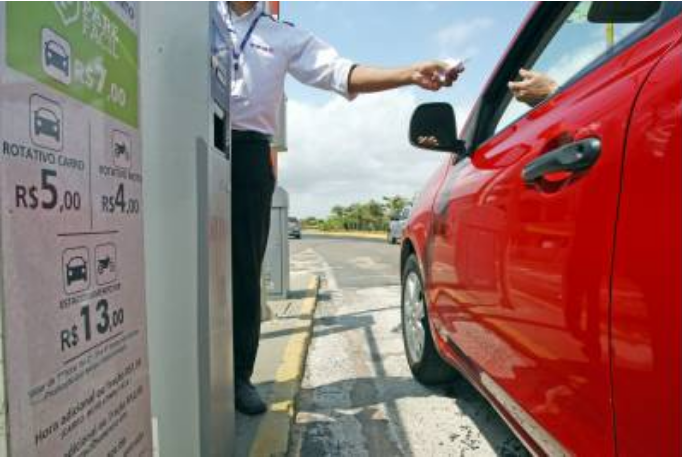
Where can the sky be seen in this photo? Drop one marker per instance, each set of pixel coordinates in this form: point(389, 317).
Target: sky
point(342, 152)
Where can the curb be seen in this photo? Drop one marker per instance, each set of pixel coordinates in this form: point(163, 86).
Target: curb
point(348, 235)
point(272, 435)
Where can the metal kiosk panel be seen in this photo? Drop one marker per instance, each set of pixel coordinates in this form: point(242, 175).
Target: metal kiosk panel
point(185, 74)
point(276, 264)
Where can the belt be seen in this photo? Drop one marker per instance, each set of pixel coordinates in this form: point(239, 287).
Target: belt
point(250, 136)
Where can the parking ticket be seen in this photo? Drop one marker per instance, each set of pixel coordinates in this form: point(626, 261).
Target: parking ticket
point(455, 67)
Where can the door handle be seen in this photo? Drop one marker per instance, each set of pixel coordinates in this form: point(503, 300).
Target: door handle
point(572, 158)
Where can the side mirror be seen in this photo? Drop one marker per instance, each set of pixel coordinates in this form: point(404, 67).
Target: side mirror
point(433, 127)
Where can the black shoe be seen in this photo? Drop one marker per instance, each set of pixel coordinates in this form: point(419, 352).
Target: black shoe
point(247, 400)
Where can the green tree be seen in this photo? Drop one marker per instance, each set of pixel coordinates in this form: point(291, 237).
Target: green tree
point(338, 211)
point(372, 215)
point(394, 204)
point(310, 222)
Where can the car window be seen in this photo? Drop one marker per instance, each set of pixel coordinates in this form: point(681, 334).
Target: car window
point(590, 30)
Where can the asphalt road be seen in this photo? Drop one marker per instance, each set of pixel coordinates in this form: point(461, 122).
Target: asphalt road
point(358, 397)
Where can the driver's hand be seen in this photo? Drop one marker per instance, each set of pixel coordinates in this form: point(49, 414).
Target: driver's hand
point(533, 88)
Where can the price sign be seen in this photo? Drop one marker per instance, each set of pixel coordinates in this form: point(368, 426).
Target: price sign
point(74, 322)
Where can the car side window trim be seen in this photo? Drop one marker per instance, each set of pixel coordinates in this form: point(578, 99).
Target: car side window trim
point(497, 96)
point(525, 45)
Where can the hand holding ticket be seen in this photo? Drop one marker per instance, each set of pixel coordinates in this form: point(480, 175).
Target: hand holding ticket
point(435, 74)
point(455, 68)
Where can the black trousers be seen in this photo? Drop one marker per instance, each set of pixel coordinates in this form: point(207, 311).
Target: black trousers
point(253, 184)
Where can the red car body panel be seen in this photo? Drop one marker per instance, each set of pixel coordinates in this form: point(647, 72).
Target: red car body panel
point(562, 301)
point(420, 220)
point(647, 292)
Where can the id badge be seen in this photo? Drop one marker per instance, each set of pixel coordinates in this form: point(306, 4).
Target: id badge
point(238, 89)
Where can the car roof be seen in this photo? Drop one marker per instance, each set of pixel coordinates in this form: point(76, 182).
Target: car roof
point(42, 110)
point(57, 44)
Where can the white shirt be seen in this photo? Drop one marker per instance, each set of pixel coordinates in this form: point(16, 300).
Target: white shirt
point(273, 50)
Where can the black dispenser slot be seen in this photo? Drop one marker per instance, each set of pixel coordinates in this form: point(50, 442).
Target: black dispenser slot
point(219, 132)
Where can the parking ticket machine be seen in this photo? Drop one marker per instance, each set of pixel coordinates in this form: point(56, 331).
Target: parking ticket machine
point(185, 76)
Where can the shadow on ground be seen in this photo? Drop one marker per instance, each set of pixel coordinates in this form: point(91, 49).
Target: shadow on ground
point(374, 403)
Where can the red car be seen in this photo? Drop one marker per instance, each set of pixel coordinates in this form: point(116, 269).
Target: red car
point(542, 261)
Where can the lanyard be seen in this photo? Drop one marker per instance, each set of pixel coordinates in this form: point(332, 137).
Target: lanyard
point(237, 52)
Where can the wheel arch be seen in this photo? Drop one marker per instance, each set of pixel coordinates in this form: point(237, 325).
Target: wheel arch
point(406, 250)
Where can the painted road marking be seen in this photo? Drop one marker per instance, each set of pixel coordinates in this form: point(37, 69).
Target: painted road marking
point(272, 435)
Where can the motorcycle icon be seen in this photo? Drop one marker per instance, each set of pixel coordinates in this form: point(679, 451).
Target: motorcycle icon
point(105, 264)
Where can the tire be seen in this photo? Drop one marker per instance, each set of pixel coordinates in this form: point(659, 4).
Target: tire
point(426, 364)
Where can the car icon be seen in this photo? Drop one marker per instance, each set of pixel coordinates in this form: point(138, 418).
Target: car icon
point(46, 122)
point(76, 270)
point(56, 56)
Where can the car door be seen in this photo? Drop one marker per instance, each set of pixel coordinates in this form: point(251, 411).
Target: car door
point(521, 258)
point(646, 326)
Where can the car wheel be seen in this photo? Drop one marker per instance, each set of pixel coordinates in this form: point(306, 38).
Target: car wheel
point(425, 363)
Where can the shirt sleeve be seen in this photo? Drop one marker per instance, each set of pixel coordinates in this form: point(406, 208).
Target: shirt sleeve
point(316, 63)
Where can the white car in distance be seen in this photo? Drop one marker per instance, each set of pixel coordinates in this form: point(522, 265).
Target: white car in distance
point(397, 224)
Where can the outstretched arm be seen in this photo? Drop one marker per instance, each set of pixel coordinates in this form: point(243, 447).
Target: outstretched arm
point(430, 75)
point(315, 63)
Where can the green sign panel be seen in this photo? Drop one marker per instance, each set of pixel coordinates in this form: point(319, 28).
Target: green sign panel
point(81, 49)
